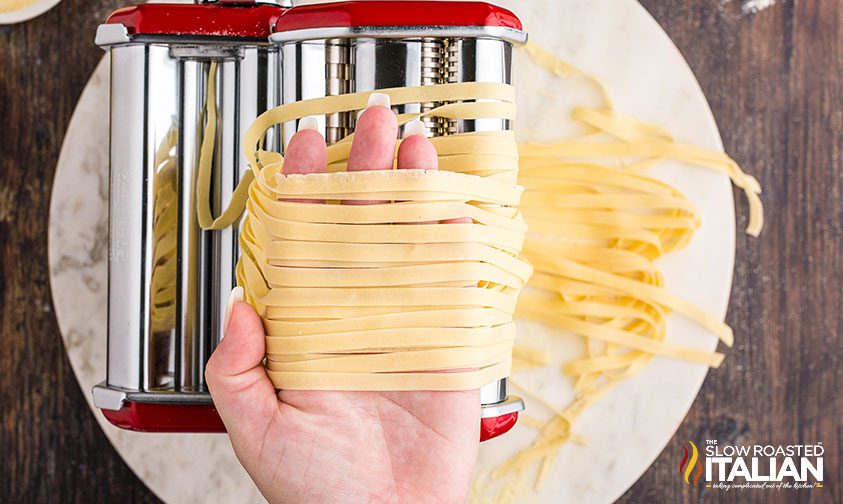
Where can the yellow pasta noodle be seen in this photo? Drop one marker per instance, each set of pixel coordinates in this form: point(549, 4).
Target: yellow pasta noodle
point(600, 221)
point(442, 296)
point(595, 230)
point(357, 297)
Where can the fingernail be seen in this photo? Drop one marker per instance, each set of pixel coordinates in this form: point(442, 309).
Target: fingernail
point(414, 127)
point(379, 99)
point(237, 294)
point(308, 122)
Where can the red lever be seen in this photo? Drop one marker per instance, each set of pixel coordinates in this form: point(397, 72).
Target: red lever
point(493, 427)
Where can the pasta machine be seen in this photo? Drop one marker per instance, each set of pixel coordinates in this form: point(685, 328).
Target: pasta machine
point(169, 280)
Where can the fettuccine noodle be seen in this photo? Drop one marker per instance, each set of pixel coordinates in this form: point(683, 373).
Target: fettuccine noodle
point(595, 230)
point(358, 298)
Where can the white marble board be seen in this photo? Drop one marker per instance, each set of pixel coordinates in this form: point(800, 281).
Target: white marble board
point(615, 40)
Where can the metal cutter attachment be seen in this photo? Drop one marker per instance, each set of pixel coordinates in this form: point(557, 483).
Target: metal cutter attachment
point(347, 47)
point(168, 279)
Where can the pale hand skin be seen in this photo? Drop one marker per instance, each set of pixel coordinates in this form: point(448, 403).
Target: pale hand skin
point(355, 447)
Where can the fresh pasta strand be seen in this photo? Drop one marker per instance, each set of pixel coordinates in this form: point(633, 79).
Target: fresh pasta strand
point(595, 276)
point(355, 297)
point(596, 224)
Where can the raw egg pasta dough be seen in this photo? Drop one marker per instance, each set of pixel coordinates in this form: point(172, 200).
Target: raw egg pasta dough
point(387, 296)
point(596, 226)
point(379, 309)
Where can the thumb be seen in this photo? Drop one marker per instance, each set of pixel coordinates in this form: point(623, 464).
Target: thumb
point(242, 392)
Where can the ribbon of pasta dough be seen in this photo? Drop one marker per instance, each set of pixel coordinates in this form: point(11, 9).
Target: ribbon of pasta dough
point(204, 216)
point(358, 298)
point(314, 269)
point(376, 325)
point(597, 224)
point(371, 302)
point(354, 298)
point(488, 154)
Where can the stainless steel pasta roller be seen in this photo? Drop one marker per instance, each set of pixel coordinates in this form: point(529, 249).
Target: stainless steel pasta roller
point(169, 280)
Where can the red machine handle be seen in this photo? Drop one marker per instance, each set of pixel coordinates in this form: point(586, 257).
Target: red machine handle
point(154, 417)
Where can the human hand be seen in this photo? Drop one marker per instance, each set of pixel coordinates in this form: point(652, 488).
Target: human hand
point(304, 446)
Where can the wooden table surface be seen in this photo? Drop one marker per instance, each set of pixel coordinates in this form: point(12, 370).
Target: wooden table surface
point(774, 79)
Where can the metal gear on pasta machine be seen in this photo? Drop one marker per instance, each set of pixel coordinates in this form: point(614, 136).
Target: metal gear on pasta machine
point(168, 279)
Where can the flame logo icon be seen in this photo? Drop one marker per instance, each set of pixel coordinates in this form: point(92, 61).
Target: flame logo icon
point(686, 467)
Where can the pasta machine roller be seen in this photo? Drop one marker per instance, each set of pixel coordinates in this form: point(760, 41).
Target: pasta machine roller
point(169, 280)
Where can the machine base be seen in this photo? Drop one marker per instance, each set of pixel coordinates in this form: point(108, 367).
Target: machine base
point(195, 412)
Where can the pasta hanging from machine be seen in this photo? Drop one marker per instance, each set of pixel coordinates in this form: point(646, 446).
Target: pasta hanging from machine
point(594, 228)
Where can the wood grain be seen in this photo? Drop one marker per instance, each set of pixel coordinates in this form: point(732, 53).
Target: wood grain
point(774, 80)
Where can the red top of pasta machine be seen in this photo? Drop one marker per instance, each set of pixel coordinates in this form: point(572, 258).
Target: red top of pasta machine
point(374, 18)
point(236, 20)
